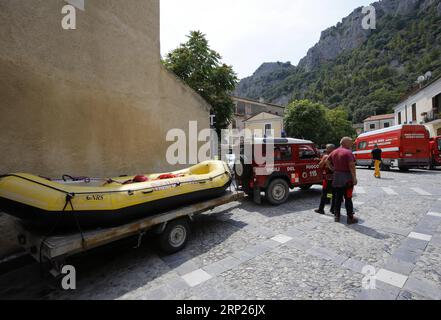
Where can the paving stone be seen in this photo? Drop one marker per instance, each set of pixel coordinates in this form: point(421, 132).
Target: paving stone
point(421, 192)
point(410, 256)
point(436, 240)
point(196, 277)
point(391, 278)
point(399, 266)
point(406, 295)
point(221, 266)
point(423, 287)
point(293, 232)
point(177, 284)
point(186, 267)
point(383, 291)
point(427, 225)
point(281, 238)
point(401, 232)
point(161, 293)
point(414, 243)
point(299, 244)
point(434, 214)
point(420, 236)
point(271, 244)
point(243, 256)
point(354, 265)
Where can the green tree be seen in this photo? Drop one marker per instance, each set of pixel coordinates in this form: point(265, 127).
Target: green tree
point(339, 125)
point(201, 68)
point(307, 120)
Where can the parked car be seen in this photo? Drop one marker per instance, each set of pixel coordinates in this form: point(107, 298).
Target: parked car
point(296, 164)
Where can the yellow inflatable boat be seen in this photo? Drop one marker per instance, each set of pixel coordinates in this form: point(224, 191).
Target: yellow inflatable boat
point(92, 202)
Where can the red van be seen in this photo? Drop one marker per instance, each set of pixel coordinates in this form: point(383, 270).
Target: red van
point(435, 152)
point(403, 146)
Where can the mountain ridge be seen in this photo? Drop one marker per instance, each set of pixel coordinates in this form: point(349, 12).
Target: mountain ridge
point(394, 17)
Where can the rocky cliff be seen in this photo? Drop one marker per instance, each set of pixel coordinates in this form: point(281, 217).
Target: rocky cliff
point(275, 81)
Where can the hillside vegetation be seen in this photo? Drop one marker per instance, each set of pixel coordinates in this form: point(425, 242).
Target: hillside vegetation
point(373, 77)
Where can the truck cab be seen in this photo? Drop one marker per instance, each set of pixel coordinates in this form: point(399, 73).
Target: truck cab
point(295, 164)
point(435, 152)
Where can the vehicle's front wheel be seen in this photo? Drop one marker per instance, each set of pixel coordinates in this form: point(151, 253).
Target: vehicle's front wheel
point(277, 192)
point(175, 236)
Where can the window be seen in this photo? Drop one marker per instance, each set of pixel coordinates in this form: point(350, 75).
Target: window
point(240, 108)
point(248, 109)
point(439, 141)
point(436, 103)
point(362, 145)
point(414, 113)
point(307, 152)
point(268, 130)
point(387, 124)
point(282, 153)
point(399, 117)
point(372, 126)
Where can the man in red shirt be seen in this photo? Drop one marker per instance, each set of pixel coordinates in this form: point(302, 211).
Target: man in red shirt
point(342, 161)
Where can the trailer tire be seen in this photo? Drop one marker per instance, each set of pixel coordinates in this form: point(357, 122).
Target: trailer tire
point(277, 192)
point(175, 236)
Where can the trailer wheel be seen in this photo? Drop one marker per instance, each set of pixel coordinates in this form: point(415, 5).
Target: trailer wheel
point(277, 192)
point(175, 236)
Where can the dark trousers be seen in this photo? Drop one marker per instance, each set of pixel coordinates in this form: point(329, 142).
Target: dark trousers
point(324, 199)
point(340, 194)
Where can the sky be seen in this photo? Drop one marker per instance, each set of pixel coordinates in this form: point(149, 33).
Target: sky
point(249, 32)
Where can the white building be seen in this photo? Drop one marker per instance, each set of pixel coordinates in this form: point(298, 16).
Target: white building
point(379, 122)
point(422, 107)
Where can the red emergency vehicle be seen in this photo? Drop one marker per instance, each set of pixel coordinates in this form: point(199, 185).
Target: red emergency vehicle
point(403, 146)
point(435, 152)
point(295, 165)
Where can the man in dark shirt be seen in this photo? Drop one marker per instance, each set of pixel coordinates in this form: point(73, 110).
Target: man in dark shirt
point(328, 176)
point(342, 162)
point(376, 157)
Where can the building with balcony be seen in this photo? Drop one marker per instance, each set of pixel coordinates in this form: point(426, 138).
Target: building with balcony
point(422, 107)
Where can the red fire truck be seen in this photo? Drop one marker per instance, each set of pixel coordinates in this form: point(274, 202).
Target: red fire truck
point(403, 146)
point(435, 152)
point(296, 165)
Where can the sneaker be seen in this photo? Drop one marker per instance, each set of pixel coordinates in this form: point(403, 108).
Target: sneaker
point(337, 218)
point(319, 211)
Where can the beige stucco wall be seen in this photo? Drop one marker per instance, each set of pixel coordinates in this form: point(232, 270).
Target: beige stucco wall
point(379, 124)
point(92, 101)
point(257, 124)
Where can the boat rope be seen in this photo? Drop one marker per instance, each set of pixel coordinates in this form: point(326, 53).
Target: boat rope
point(151, 189)
point(69, 198)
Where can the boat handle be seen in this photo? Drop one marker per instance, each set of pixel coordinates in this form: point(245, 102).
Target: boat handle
point(147, 192)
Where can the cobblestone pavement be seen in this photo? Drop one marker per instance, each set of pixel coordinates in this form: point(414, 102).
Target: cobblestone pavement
point(246, 251)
